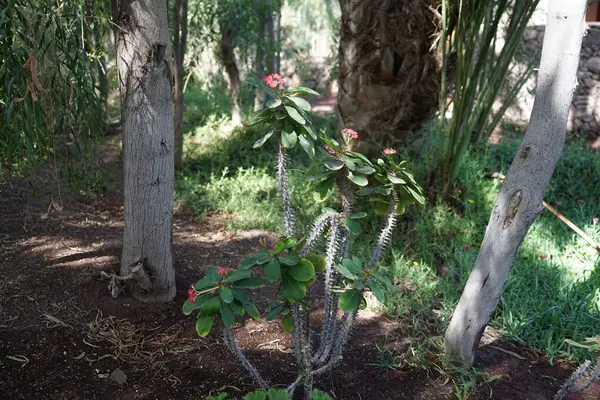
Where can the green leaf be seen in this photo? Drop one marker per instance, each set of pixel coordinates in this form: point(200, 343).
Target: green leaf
point(262, 140)
point(307, 146)
point(237, 307)
point(349, 300)
point(353, 226)
point(277, 394)
point(289, 260)
point(310, 131)
point(285, 243)
point(227, 315)
point(248, 262)
point(251, 309)
point(272, 270)
point(385, 280)
point(295, 115)
point(377, 290)
point(220, 396)
point(359, 180)
point(188, 307)
point(300, 103)
point(291, 289)
point(211, 306)
point(395, 179)
point(417, 196)
point(349, 163)
point(226, 294)
point(249, 283)
point(302, 89)
point(365, 169)
point(258, 395)
point(324, 190)
point(334, 164)
point(318, 261)
point(237, 275)
point(359, 156)
point(204, 324)
point(358, 215)
point(287, 323)
point(273, 103)
point(352, 266)
point(345, 272)
point(272, 314)
point(288, 138)
point(303, 271)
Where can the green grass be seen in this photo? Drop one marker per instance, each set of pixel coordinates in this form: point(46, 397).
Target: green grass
point(553, 292)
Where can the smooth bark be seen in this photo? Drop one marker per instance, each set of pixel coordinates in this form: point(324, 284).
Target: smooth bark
point(143, 62)
point(180, 16)
point(521, 196)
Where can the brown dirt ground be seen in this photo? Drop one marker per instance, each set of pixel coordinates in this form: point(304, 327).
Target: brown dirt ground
point(62, 334)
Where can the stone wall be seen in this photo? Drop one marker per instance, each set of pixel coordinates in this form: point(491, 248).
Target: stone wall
point(585, 107)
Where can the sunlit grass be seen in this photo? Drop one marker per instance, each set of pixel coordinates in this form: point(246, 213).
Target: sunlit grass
point(553, 291)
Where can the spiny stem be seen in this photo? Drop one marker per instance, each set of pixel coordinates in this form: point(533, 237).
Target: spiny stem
point(284, 190)
point(319, 226)
point(347, 198)
point(386, 232)
point(229, 338)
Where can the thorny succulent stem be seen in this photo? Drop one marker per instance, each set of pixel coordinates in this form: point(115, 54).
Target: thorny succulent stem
point(329, 319)
point(319, 226)
point(386, 232)
point(229, 338)
point(570, 385)
point(305, 349)
point(347, 198)
point(284, 190)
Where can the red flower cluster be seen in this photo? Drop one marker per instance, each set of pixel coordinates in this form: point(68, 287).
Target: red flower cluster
point(274, 80)
point(389, 152)
point(330, 151)
point(222, 271)
point(350, 132)
point(192, 294)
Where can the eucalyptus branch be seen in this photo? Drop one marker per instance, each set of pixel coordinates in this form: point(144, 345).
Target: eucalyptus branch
point(229, 338)
point(284, 189)
point(386, 232)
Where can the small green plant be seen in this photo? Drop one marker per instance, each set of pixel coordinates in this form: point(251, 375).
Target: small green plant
point(293, 265)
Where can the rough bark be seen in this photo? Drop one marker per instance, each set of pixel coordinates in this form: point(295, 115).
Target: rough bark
point(227, 49)
point(100, 63)
point(521, 196)
point(389, 72)
point(180, 13)
point(259, 61)
point(143, 62)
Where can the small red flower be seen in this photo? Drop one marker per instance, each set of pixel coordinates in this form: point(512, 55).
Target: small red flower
point(389, 152)
point(371, 372)
point(274, 80)
point(192, 294)
point(596, 220)
point(222, 271)
point(467, 247)
point(557, 203)
point(368, 389)
point(350, 132)
point(543, 256)
point(330, 151)
point(581, 201)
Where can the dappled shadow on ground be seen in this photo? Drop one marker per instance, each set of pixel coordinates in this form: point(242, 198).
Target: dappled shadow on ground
point(63, 334)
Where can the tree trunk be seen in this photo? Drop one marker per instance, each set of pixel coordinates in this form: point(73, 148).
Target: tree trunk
point(180, 12)
point(227, 48)
point(143, 62)
point(520, 200)
point(259, 61)
point(389, 76)
point(100, 63)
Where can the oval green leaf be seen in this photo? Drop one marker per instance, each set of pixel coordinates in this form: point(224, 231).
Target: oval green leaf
point(359, 180)
point(292, 112)
point(300, 103)
point(288, 138)
point(227, 315)
point(204, 324)
point(287, 323)
point(303, 271)
point(318, 261)
point(289, 260)
point(349, 300)
point(211, 306)
point(226, 294)
point(262, 140)
point(334, 164)
point(249, 283)
point(272, 270)
point(273, 103)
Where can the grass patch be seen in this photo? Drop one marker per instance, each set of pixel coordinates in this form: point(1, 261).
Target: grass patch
point(553, 291)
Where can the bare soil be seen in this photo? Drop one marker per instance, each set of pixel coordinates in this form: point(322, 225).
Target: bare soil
point(62, 335)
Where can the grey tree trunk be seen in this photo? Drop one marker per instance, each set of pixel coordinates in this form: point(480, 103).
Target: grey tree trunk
point(227, 49)
point(520, 200)
point(259, 62)
point(143, 62)
point(180, 13)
